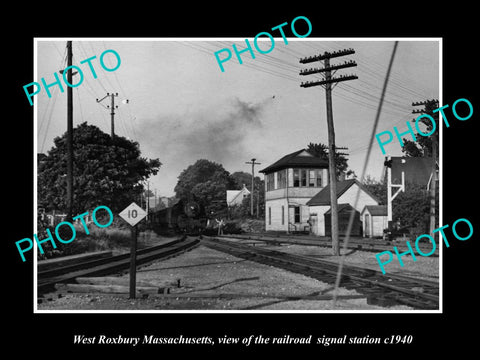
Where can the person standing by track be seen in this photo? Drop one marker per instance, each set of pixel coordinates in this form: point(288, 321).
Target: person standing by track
point(220, 224)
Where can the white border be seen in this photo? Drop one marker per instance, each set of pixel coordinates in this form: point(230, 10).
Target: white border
point(35, 294)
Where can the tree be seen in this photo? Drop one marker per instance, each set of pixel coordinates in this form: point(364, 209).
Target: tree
point(105, 172)
point(148, 193)
point(206, 182)
point(243, 178)
point(410, 208)
point(341, 161)
point(376, 188)
point(423, 145)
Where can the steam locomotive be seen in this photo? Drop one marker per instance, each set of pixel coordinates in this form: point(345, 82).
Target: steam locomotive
point(185, 216)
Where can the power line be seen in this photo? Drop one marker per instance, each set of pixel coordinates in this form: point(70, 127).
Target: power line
point(86, 55)
point(79, 104)
point(51, 104)
point(52, 107)
point(366, 98)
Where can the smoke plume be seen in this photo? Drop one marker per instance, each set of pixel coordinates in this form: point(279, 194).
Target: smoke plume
point(215, 134)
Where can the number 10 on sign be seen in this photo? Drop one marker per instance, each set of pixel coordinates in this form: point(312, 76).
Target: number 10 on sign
point(133, 214)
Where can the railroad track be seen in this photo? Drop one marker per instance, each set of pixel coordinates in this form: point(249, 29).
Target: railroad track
point(353, 244)
point(46, 280)
point(383, 290)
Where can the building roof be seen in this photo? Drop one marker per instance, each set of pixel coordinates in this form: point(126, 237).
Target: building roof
point(323, 196)
point(376, 210)
point(340, 208)
point(299, 158)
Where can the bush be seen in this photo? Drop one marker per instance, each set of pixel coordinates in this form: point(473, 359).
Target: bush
point(101, 239)
point(232, 228)
point(412, 207)
point(239, 211)
point(98, 239)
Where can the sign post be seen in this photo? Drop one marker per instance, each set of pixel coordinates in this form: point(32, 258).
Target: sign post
point(133, 214)
point(133, 262)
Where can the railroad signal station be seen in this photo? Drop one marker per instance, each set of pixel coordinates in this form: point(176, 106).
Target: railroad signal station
point(297, 196)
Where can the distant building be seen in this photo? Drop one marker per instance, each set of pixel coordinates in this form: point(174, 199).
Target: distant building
point(235, 197)
point(163, 202)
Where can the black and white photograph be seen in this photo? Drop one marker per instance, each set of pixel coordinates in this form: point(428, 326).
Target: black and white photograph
point(228, 164)
point(249, 185)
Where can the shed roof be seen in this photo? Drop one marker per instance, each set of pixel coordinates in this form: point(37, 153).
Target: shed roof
point(376, 210)
point(340, 208)
point(299, 158)
point(323, 196)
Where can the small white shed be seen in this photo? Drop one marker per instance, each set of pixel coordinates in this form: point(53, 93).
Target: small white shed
point(374, 219)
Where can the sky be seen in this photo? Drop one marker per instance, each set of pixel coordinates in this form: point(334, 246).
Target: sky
point(182, 107)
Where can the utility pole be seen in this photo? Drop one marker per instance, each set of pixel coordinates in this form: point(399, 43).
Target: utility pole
point(155, 200)
point(148, 199)
point(326, 83)
point(258, 202)
point(69, 133)
point(253, 179)
point(112, 108)
point(429, 106)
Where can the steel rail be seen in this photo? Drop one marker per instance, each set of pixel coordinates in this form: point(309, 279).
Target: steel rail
point(362, 245)
point(115, 263)
point(379, 289)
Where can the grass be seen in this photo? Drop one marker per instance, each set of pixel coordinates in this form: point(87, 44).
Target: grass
point(98, 239)
point(110, 238)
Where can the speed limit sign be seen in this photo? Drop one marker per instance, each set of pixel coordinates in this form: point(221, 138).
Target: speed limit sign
point(133, 214)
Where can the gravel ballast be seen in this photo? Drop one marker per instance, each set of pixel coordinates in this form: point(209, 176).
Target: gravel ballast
point(205, 279)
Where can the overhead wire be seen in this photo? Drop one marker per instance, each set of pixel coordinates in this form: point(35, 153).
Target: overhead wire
point(86, 85)
point(286, 67)
point(86, 56)
point(396, 102)
point(52, 107)
point(398, 93)
point(126, 124)
point(51, 104)
point(79, 104)
point(106, 74)
point(90, 88)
